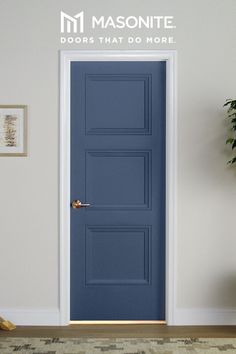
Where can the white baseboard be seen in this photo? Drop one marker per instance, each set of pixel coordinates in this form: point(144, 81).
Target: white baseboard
point(182, 316)
point(32, 317)
point(206, 316)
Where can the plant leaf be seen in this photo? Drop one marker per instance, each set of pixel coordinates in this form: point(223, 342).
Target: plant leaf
point(232, 161)
point(230, 141)
point(234, 144)
point(227, 103)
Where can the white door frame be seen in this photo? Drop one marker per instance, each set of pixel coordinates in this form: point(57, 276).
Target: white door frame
point(66, 57)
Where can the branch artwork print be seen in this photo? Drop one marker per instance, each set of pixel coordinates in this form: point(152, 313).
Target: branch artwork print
point(10, 131)
point(13, 130)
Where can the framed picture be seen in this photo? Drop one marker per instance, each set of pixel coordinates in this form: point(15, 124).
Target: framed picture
point(13, 130)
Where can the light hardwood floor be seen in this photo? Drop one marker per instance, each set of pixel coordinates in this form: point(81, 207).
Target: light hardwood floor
point(123, 331)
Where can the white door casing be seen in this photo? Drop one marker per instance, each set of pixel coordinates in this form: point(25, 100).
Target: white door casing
point(66, 57)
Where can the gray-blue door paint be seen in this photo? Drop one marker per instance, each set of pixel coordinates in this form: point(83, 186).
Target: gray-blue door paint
point(118, 165)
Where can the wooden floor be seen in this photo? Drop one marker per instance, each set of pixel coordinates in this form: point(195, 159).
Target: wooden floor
point(123, 331)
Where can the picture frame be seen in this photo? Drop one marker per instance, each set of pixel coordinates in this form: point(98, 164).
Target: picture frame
point(13, 130)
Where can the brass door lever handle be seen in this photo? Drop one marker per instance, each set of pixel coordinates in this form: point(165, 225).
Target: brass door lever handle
point(76, 204)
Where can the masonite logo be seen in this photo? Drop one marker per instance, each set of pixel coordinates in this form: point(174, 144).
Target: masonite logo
point(73, 26)
point(71, 23)
point(119, 22)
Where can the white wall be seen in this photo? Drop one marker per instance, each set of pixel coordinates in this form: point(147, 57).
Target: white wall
point(29, 189)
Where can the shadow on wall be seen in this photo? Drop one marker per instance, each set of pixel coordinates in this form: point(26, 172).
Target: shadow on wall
point(216, 152)
point(227, 151)
point(226, 291)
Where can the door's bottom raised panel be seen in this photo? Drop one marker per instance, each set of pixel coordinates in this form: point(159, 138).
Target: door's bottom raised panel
point(118, 255)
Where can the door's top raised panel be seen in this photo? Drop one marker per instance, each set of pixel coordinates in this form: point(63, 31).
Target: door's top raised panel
point(118, 104)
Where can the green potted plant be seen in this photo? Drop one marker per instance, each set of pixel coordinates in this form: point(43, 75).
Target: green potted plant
point(231, 112)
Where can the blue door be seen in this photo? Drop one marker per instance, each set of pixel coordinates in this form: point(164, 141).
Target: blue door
point(118, 167)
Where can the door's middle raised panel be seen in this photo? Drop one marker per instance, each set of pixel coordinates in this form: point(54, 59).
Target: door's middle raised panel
point(118, 179)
